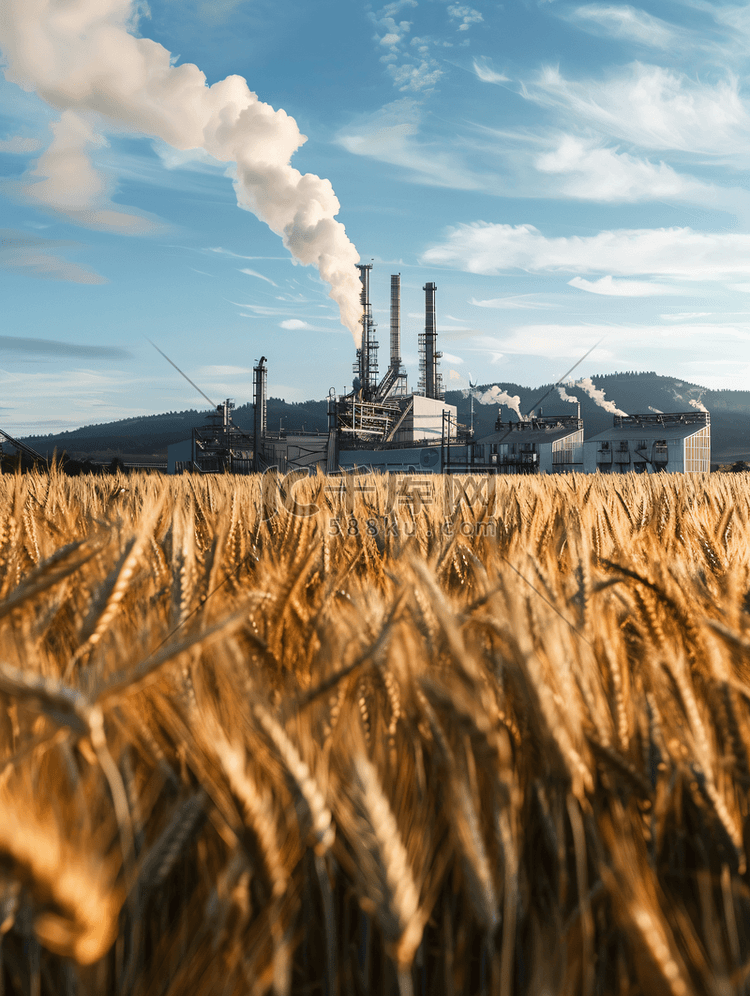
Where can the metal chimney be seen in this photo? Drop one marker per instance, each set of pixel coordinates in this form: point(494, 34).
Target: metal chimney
point(260, 375)
point(396, 321)
point(367, 354)
point(431, 356)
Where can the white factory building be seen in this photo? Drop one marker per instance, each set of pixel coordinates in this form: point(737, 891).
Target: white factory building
point(549, 444)
point(676, 443)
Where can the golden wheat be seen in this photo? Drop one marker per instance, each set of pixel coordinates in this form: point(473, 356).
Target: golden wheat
point(426, 735)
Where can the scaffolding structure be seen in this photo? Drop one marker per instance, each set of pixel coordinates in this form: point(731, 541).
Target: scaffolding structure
point(220, 446)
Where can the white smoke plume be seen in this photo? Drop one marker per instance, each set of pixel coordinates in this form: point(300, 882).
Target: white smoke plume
point(656, 411)
point(81, 58)
point(698, 404)
point(565, 396)
point(494, 396)
point(597, 395)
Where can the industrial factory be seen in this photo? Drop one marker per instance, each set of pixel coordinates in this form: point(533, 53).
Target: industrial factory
point(381, 425)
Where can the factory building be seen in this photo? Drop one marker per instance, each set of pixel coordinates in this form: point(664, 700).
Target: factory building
point(675, 443)
point(381, 425)
point(545, 444)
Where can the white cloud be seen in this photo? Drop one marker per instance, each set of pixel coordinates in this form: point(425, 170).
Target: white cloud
point(262, 310)
point(685, 316)
point(621, 342)
point(590, 172)
point(234, 255)
point(513, 302)
point(487, 75)
point(466, 15)
point(70, 184)
point(623, 288)
point(416, 78)
point(254, 273)
point(487, 248)
point(294, 323)
point(411, 68)
point(652, 107)
point(223, 371)
point(450, 358)
point(35, 257)
point(390, 135)
point(629, 24)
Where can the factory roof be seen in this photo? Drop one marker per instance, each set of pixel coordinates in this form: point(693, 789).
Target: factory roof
point(544, 429)
point(672, 425)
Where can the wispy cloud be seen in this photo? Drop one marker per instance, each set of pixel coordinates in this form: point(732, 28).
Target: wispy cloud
point(235, 255)
point(588, 171)
point(261, 310)
point(651, 106)
point(624, 288)
point(488, 75)
point(487, 248)
point(28, 346)
point(629, 24)
point(513, 302)
point(299, 325)
point(35, 256)
point(391, 135)
point(65, 180)
point(558, 341)
point(254, 273)
point(223, 371)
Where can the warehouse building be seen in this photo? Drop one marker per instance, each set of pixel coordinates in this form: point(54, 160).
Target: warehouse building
point(549, 444)
point(676, 443)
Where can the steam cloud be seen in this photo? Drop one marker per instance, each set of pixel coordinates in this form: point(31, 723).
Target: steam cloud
point(698, 404)
point(494, 396)
point(565, 396)
point(656, 411)
point(80, 57)
point(597, 395)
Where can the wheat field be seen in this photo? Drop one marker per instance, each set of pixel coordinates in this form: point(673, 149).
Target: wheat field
point(374, 736)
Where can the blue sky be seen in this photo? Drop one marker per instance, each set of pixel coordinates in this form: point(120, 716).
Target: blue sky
point(565, 172)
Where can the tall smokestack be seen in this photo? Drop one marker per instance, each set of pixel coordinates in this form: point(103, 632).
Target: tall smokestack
point(395, 321)
point(259, 409)
point(366, 367)
point(430, 356)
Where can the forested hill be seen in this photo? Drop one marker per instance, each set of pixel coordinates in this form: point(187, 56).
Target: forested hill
point(149, 434)
point(631, 392)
